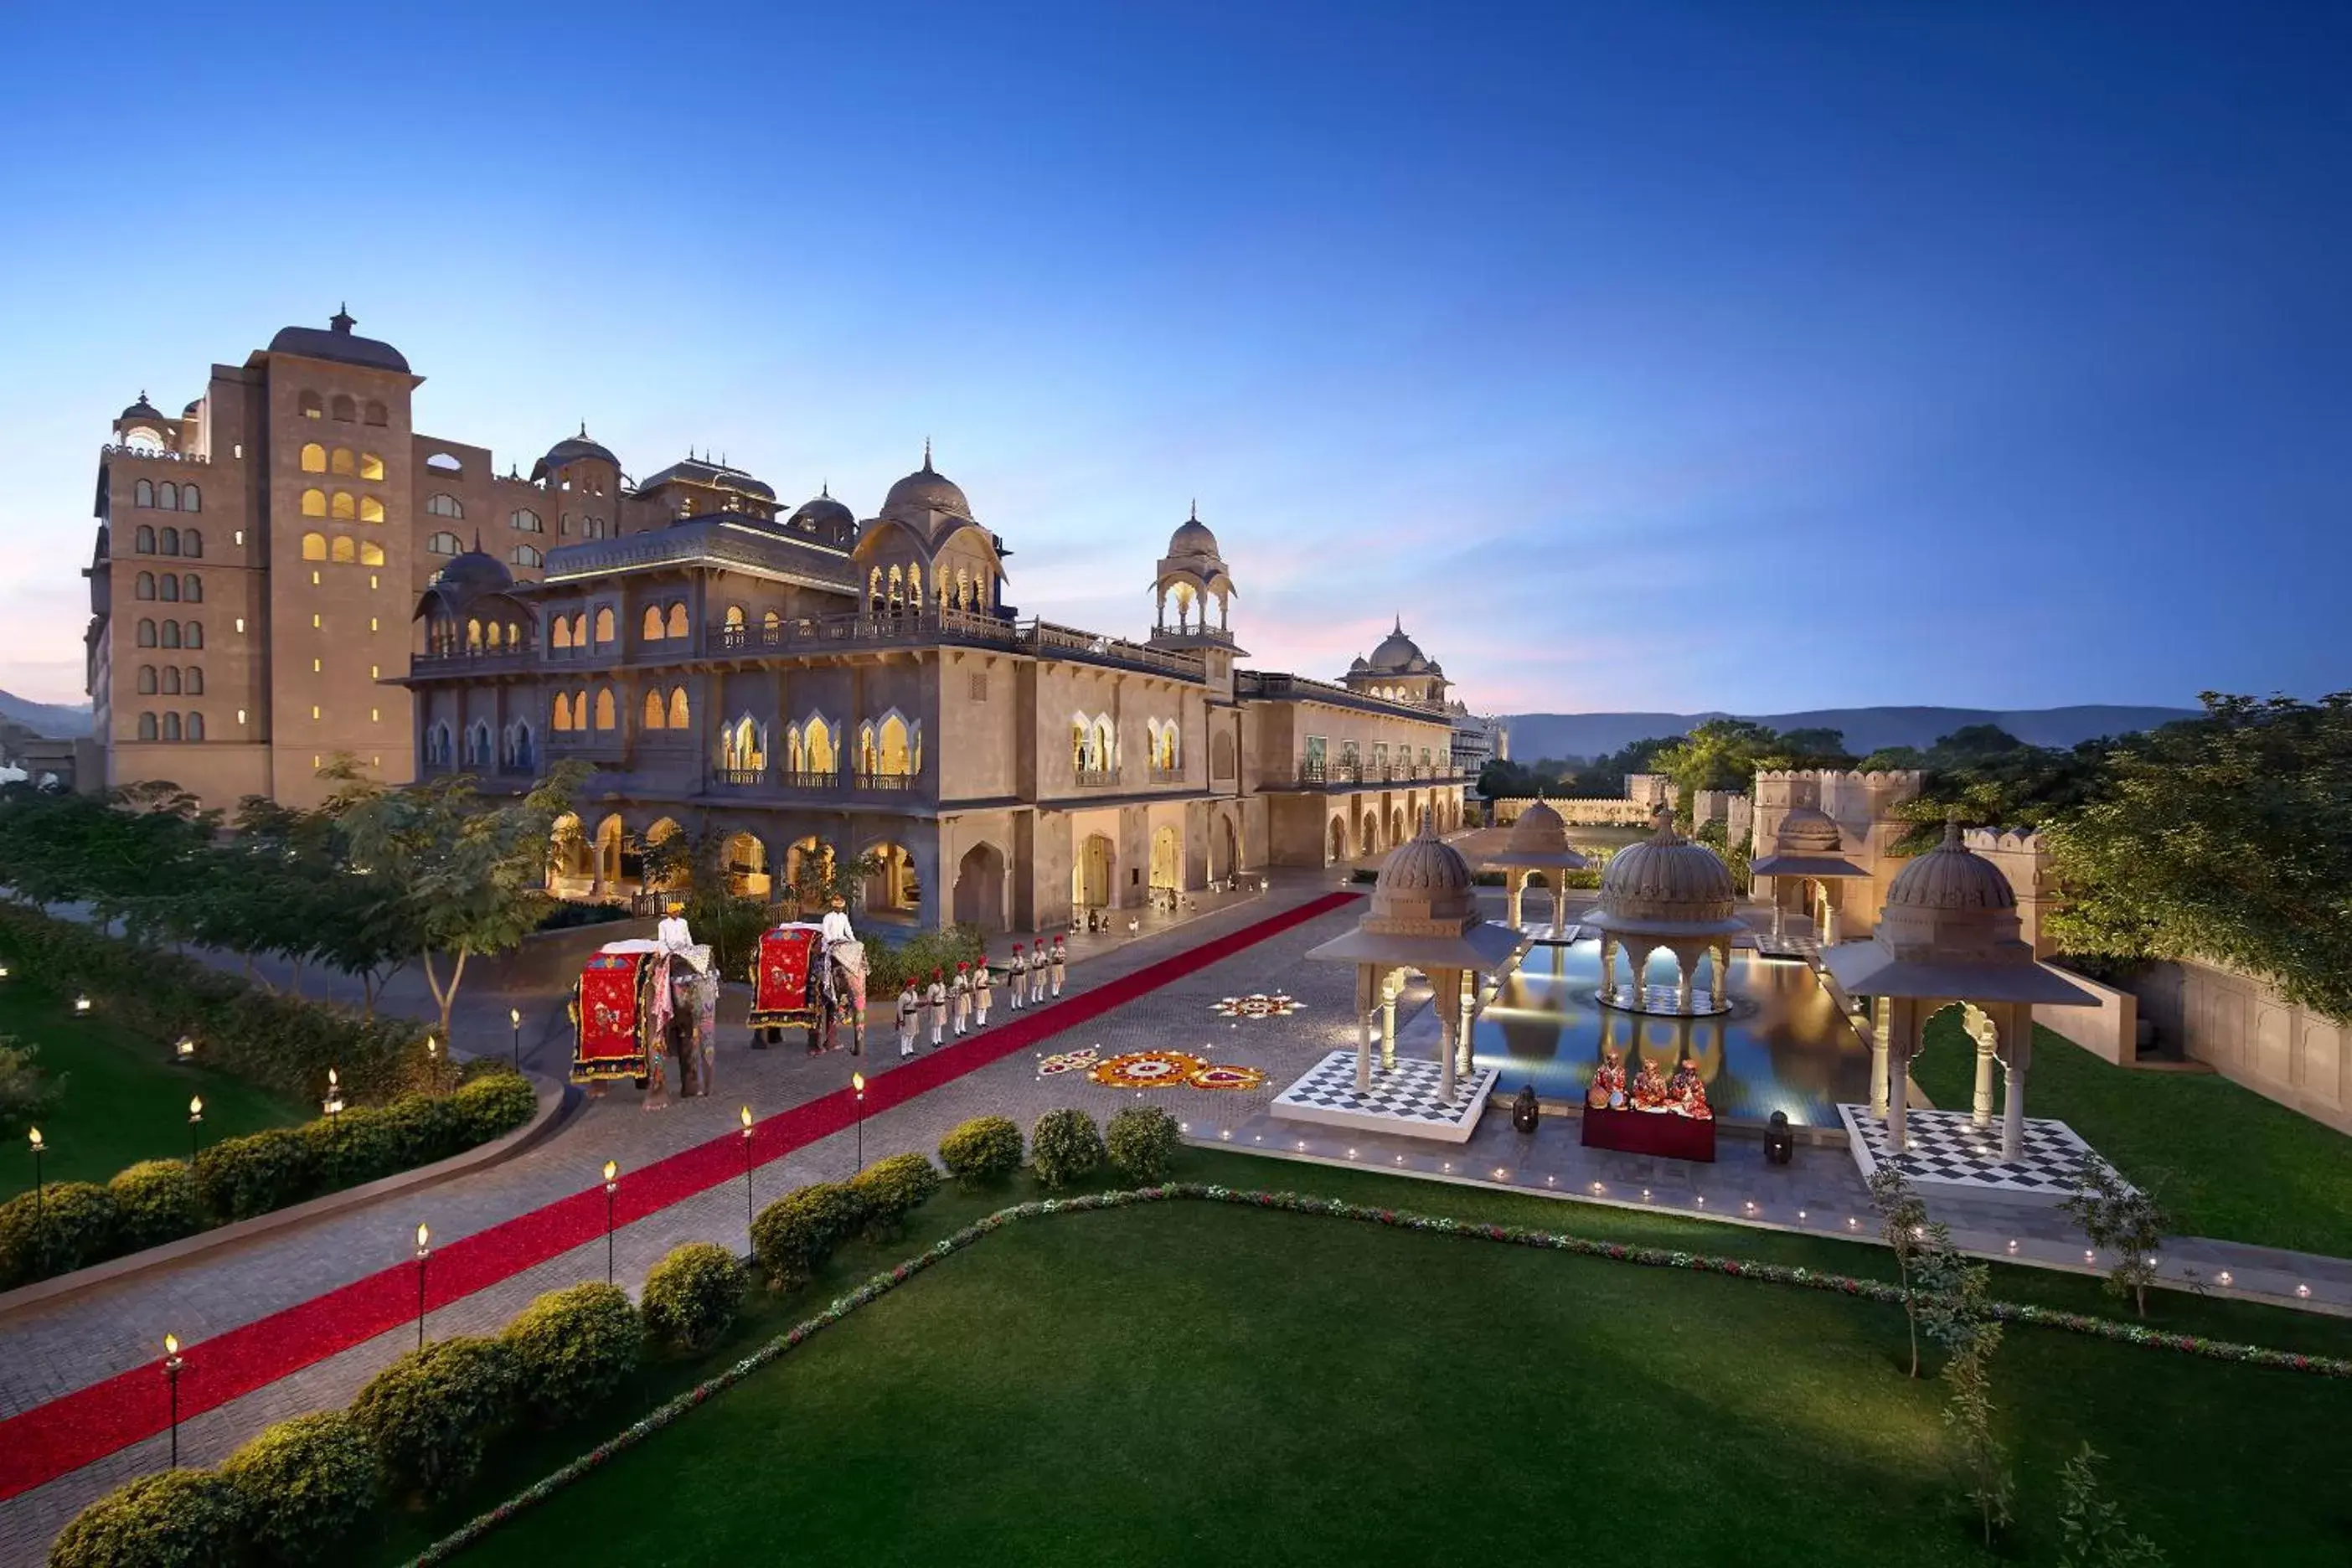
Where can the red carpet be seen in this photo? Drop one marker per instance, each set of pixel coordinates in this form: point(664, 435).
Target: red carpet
point(74, 1429)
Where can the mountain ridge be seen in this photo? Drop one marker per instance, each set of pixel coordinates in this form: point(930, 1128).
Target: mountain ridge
point(1867, 729)
point(50, 721)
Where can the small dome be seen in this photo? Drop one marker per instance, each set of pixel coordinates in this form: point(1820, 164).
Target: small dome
point(142, 409)
point(339, 343)
point(1399, 654)
point(1192, 538)
point(924, 490)
point(1538, 831)
point(475, 572)
point(1666, 878)
point(1808, 830)
point(1951, 876)
point(1424, 879)
point(571, 450)
point(824, 515)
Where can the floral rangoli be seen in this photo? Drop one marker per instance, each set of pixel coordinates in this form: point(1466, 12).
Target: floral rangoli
point(1148, 1070)
point(1256, 1004)
point(1066, 1061)
point(1225, 1075)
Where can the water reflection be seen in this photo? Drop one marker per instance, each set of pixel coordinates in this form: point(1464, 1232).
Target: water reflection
point(1784, 1046)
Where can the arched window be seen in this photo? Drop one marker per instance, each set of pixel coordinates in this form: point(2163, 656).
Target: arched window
point(314, 457)
point(370, 510)
point(312, 408)
point(371, 552)
point(653, 628)
point(563, 716)
point(734, 618)
point(605, 718)
point(477, 743)
point(377, 414)
point(143, 542)
point(678, 620)
point(963, 589)
point(657, 712)
point(167, 496)
point(1081, 742)
point(473, 636)
point(314, 547)
point(441, 504)
point(559, 635)
point(146, 634)
point(194, 683)
point(171, 633)
point(518, 752)
point(314, 503)
point(342, 550)
point(580, 631)
point(874, 589)
point(898, 587)
point(527, 522)
point(338, 461)
point(171, 674)
point(529, 555)
point(604, 632)
point(346, 409)
point(146, 681)
point(191, 541)
point(913, 586)
point(144, 493)
point(1106, 741)
point(742, 747)
point(193, 634)
point(679, 719)
point(443, 543)
point(344, 505)
point(168, 590)
point(143, 585)
point(770, 621)
point(191, 499)
point(370, 466)
point(195, 726)
point(490, 637)
point(146, 726)
point(168, 541)
point(171, 726)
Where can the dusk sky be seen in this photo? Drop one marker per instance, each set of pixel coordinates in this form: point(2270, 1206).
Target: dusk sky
point(1745, 356)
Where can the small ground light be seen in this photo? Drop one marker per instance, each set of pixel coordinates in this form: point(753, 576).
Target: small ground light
point(2089, 1256)
point(2222, 1277)
point(81, 1004)
point(184, 1049)
point(1549, 1180)
point(1701, 1200)
point(1800, 1214)
point(2012, 1247)
point(1851, 1222)
point(2303, 1291)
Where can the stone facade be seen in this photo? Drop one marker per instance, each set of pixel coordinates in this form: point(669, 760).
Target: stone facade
point(1863, 806)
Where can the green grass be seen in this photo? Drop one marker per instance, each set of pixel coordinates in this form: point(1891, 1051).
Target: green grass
point(2226, 1162)
point(1189, 1383)
point(123, 1101)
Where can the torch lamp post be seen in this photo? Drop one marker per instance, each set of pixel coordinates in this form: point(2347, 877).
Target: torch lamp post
point(81, 1006)
point(612, 1185)
point(857, 1083)
point(514, 1016)
point(432, 1064)
point(333, 1106)
point(424, 1251)
point(172, 1381)
point(184, 1049)
point(745, 1115)
point(40, 1199)
point(195, 1126)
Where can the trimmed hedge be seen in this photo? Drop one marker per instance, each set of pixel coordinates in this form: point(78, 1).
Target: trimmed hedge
point(241, 1177)
point(1142, 1140)
point(430, 1414)
point(792, 1237)
point(892, 1189)
point(305, 1485)
point(1064, 1146)
point(177, 1518)
point(76, 1225)
point(572, 1349)
point(156, 1201)
point(493, 1104)
point(693, 1296)
point(982, 1151)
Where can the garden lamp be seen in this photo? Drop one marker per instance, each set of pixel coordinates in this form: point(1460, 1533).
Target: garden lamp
point(514, 1016)
point(745, 1115)
point(172, 1378)
point(612, 1185)
point(195, 1121)
point(424, 1251)
point(857, 1083)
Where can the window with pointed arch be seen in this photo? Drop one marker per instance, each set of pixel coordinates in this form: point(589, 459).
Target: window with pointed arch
point(492, 637)
point(313, 457)
point(678, 619)
point(896, 594)
point(809, 748)
point(1168, 747)
point(653, 630)
point(605, 626)
point(1106, 741)
point(743, 747)
point(914, 584)
point(607, 715)
point(874, 600)
point(559, 635)
point(963, 589)
point(441, 504)
point(519, 753)
point(680, 718)
point(734, 618)
point(560, 719)
point(655, 714)
point(473, 636)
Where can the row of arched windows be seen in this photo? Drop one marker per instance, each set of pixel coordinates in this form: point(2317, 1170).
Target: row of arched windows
point(572, 631)
point(345, 409)
point(172, 589)
point(341, 549)
point(171, 634)
point(172, 680)
point(343, 504)
point(896, 591)
point(571, 710)
point(1167, 742)
point(659, 625)
point(441, 504)
point(443, 543)
point(515, 750)
point(170, 541)
point(666, 712)
point(167, 496)
point(316, 459)
point(171, 727)
point(527, 522)
point(735, 621)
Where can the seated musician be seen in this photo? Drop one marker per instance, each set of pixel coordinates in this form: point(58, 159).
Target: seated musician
point(1649, 1087)
point(1687, 1091)
point(1608, 1089)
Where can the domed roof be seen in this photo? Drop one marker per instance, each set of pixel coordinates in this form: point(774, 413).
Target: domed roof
point(571, 450)
point(337, 343)
point(1538, 831)
point(142, 409)
point(1951, 876)
point(1424, 879)
point(1666, 884)
point(1192, 538)
point(823, 514)
point(1399, 654)
point(1809, 830)
point(475, 572)
point(924, 490)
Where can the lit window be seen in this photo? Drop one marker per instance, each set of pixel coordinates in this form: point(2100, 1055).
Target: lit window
point(370, 510)
point(370, 466)
point(342, 550)
point(340, 462)
point(314, 548)
point(371, 555)
point(314, 579)
point(240, 537)
point(345, 505)
point(240, 625)
point(240, 715)
point(314, 457)
point(314, 713)
point(316, 623)
point(374, 624)
point(375, 715)
point(318, 667)
point(375, 672)
point(314, 503)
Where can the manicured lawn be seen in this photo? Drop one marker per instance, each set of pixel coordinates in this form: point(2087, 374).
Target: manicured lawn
point(122, 1100)
point(1197, 1383)
point(2225, 1161)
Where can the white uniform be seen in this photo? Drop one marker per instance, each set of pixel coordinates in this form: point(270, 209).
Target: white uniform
point(1060, 961)
point(982, 985)
point(910, 1006)
point(672, 933)
point(1017, 974)
point(937, 996)
point(833, 928)
point(960, 988)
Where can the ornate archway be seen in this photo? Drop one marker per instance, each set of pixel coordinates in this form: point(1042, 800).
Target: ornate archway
point(979, 898)
point(1090, 873)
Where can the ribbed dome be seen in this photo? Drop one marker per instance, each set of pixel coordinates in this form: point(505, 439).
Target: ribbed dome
point(142, 409)
point(924, 490)
point(1950, 877)
point(823, 514)
point(1538, 831)
point(1192, 538)
point(1808, 830)
point(1666, 878)
point(1399, 654)
point(1424, 879)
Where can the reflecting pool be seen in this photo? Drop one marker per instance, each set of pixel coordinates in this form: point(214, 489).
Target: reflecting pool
point(1784, 1046)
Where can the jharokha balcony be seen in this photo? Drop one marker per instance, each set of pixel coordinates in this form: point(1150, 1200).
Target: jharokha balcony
point(1344, 771)
point(803, 782)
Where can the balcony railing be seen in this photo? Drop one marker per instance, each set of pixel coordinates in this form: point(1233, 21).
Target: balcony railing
point(1349, 770)
point(446, 659)
point(1097, 778)
point(739, 778)
point(1160, 775)
point(162, 454)
point(885, 780)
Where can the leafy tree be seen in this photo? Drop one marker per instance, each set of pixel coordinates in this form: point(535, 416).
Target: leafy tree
point(1987, 778)
point(468, 876)
point(1903, 1225)
point(1955, 1310)
point(2122, 1219)
point(1893, 760)
point(2092, 1524)
point(2226, 838)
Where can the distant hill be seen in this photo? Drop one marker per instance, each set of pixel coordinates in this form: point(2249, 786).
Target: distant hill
point(1588, 735)
point(49, 720)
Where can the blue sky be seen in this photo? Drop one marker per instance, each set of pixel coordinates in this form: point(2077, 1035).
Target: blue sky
point(1746, 357)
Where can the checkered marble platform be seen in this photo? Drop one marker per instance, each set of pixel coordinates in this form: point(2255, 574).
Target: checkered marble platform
point(1552, 935)
point(1403, 1100)
point(1948, 1152)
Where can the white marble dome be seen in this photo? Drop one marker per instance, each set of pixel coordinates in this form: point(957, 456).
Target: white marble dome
point(1424, 879)
point(1666, 881)
point(1538, 831)
point(1809, 830)
point(1950, 877)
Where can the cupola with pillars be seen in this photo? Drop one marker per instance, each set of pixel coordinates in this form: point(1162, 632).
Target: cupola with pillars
point(1192, 596)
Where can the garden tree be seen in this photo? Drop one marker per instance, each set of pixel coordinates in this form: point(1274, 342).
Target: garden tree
point(2092, 1524)
point(2118, 1217)
point(1903, 1224)
point(129, 853)
point(1894, 759)
point(821, 878)
point(2226, 838)
point(1727, 753)
point(469, 874)
point(1991, 779)
point(1955, 1310)
point(691, 866)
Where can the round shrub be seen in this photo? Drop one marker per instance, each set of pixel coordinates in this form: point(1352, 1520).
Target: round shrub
point(429, 1415)
point(1064, 1145)
point(572, 1349)
point(792, 1237)
point(241, 1177)
point(693, 1296)
point(304, 1485)
point(1142, 1140)
point(178, 1519)
point(492, 1104)
point(76, 1226)
point(156, 1201)
point(415, 1130)
point(893, 1189)
point(983, 1149)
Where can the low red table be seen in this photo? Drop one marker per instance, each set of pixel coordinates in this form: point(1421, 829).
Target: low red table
point(1658, 1132)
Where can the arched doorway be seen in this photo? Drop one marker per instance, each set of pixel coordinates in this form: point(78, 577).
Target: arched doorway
point(1224, 851)
point(1337, 849)
point(1368, 833)
point(1090, 874)
point(604, 865)
point(746, 861)
point(1167, 860)
point(893, 888)
point(808, 865)
point(1397, 829)
point(979, 888)
point(662, 832)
